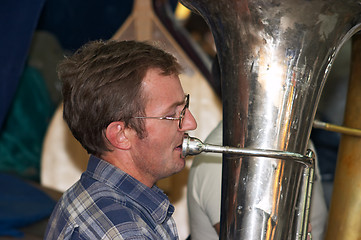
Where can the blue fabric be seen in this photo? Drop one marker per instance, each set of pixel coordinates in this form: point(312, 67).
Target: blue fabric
point(107, 203)
point(77, 22)
point(18, 20)
point(20, 205)
point(326, 144)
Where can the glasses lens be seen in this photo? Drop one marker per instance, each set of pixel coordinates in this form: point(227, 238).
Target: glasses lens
point(183, 112)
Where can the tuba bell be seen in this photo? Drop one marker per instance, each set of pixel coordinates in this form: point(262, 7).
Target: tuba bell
point(274, 57)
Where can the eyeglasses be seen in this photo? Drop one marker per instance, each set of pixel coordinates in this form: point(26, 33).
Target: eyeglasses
point(181, 115)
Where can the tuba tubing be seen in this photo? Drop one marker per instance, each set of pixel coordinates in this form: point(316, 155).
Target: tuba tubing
point(274, 58)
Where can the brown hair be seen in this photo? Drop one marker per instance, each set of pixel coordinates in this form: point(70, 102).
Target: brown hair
point(102, 84)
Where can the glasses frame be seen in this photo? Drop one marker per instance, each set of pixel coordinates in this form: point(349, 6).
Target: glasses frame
point(181, 115)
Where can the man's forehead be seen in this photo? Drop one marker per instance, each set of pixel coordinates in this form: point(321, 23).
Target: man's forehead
point(165, 100)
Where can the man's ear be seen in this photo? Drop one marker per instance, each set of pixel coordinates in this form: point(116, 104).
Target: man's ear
point(115, 133)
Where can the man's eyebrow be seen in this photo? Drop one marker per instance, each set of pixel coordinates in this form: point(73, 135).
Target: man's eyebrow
point(176, 104)
point(181, 102)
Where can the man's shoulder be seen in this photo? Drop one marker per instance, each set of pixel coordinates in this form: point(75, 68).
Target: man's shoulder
point(101, 213)
point(95, 205)
point(98, 197)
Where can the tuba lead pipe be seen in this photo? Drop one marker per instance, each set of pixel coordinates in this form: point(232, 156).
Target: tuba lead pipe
point(194, 146)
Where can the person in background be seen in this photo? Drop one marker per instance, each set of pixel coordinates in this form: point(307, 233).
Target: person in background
point(123, 101)
point(204, 195)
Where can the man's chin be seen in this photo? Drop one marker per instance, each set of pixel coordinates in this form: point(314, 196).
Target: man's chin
point(182, 163)
point(179, 164)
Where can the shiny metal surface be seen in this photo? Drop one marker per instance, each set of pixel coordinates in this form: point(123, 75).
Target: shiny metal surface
point(274, 58)
point(194, 146)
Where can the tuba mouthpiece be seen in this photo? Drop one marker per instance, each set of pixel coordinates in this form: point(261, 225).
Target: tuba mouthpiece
point(191, 146)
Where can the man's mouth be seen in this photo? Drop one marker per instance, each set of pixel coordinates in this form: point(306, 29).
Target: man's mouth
point(179, 147)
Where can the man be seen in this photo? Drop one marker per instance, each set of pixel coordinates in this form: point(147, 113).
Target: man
point(204, 195)
point(124, 103)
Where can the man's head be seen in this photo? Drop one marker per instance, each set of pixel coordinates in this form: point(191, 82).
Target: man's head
point(103, 83)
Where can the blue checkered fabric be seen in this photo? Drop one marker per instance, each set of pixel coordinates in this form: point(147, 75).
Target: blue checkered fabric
point(107, 203)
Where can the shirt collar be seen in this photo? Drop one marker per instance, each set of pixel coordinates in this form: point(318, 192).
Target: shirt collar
point(152, 199)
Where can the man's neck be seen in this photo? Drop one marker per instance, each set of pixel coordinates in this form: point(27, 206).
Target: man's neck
point(124, 162)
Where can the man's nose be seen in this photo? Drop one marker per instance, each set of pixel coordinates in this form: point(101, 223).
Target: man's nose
point(189, 122)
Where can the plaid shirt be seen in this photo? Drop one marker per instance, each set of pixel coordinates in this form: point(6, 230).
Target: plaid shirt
point(107, 203)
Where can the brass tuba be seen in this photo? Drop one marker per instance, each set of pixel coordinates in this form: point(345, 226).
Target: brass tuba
point(274, 57)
